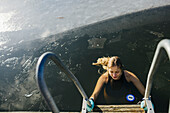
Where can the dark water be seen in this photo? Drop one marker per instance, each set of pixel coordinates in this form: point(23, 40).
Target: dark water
point(135, 46)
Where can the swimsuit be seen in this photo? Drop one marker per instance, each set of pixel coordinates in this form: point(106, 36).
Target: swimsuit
point(115, 91)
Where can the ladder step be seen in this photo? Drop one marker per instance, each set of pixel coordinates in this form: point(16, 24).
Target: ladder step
point(119, 108)
point(103, 108)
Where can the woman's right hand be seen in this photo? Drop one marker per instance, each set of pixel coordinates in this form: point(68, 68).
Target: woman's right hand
point(90, 108)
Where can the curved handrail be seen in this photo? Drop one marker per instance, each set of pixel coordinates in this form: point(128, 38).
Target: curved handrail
point(163, 44)
point(42, 85)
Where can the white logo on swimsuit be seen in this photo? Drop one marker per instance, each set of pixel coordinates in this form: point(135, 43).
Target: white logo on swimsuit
point(130, 97)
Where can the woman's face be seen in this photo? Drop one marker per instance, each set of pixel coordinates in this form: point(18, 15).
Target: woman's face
point(115, 72)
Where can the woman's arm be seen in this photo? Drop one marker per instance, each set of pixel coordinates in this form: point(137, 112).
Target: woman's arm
point(134, 79)
point(98, 87)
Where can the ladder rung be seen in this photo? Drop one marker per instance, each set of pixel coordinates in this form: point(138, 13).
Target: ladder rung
point(118, 108)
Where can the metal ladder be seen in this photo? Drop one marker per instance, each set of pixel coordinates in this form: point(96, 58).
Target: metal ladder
point(164, 44)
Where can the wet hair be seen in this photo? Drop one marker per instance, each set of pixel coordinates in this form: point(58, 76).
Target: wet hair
point(107, 62)
point(115, 61)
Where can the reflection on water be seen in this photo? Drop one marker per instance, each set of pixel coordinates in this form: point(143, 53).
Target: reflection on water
point(6, 24)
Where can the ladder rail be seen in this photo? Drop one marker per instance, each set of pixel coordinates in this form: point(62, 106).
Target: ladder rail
point(163, 44)
point(42, 85)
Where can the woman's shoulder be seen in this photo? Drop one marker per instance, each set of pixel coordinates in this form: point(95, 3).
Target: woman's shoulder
point(129, 75)
point(104, 77)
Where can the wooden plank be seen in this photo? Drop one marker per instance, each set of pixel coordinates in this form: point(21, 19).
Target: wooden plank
point(118, 108)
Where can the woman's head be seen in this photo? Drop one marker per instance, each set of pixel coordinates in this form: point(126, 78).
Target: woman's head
point(113, 66)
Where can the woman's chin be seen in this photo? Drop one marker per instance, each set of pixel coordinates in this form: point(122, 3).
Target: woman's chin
point(115, 78)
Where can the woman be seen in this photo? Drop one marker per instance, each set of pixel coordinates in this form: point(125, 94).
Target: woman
point(114, 80)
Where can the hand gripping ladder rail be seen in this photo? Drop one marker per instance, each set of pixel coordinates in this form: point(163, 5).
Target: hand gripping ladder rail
point(163, 44)
point(43, 87)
